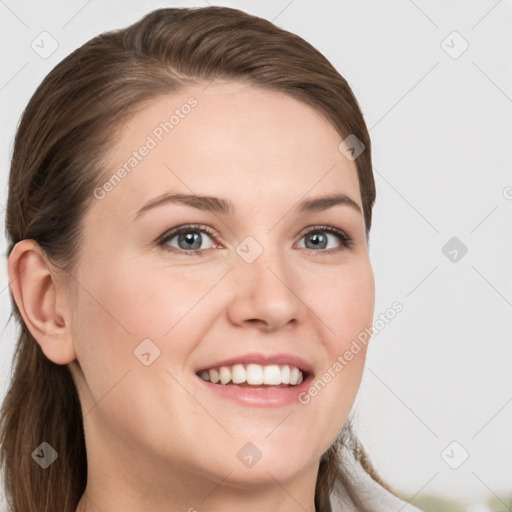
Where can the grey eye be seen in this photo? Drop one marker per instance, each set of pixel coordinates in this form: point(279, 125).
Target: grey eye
point(188, 240)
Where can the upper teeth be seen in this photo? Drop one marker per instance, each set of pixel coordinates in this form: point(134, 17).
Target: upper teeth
point(254, 374)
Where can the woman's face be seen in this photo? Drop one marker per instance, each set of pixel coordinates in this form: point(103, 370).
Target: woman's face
point(256, 278)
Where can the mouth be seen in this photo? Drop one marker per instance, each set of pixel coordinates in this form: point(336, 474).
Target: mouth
point(255, 375)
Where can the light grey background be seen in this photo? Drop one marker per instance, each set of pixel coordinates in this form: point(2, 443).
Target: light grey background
point(441, 130)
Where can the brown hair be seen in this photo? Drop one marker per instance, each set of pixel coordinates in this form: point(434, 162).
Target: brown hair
point(58, 160)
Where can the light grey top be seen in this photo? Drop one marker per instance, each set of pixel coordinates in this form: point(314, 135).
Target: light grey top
point(373, 495)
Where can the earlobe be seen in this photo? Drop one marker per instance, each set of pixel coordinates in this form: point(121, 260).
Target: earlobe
point(36, 291)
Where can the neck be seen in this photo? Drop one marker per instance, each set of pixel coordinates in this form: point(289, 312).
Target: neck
point(130, 483)
point(189, 494)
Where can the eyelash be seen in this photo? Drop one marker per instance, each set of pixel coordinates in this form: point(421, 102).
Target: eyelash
point(345, 240)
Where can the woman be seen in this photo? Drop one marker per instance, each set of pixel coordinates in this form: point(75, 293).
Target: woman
point(189, 206)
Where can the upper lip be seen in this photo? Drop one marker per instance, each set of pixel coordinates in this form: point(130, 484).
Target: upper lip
point(263, 360)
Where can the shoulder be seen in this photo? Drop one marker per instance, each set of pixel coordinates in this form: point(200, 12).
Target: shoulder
point(372, 494)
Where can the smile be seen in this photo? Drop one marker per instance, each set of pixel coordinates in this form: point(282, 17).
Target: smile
point(254, 375)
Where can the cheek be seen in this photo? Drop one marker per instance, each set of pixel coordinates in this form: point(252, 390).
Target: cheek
point(122, 309)
point(131, 303)
point(344, 301)
point(353, 323)
point(346, 307)
point(141, 300)
point(358, 299)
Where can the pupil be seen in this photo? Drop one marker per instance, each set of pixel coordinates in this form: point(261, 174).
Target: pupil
point(190, 238)
point(318, 240)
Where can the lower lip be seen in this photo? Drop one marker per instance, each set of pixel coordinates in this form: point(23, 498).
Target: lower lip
point(259, 397)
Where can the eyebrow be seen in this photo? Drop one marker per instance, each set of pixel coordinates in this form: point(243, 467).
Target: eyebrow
point(223, 206)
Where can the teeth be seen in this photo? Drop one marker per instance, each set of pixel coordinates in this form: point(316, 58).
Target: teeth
point(254, 375)
point(225, 375)
point(214, 375)
point(294, 376)
point(272, 375)
point(238, 374)
point(285, 374)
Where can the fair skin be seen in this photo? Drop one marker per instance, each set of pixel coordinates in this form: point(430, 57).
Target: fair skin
point(158, 436)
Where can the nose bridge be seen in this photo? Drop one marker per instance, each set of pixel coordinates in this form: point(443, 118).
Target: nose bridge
point(264, 285)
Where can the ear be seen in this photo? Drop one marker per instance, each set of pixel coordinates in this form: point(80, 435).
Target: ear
point(39, 292)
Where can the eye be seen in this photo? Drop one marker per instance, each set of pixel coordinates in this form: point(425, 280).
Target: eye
point(320, 236)
point(188, 239)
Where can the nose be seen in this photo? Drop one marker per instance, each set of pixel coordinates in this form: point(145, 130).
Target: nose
point(266, 294)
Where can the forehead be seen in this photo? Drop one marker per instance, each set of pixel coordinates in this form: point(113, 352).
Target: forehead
point(227, 139)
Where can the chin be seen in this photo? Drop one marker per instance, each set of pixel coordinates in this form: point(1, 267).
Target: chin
point(262, 463)
point(260, 475)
